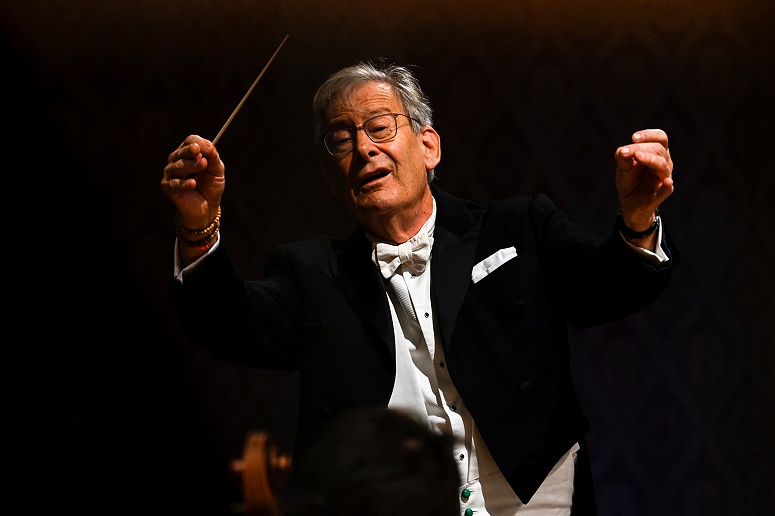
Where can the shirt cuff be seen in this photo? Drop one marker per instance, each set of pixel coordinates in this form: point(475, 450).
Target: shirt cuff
point(182, 274)
point(656, 257)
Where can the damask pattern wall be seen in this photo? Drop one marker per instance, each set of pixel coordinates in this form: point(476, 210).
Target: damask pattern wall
point(529, 97)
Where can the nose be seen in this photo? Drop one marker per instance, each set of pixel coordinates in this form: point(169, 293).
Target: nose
point(362, 144)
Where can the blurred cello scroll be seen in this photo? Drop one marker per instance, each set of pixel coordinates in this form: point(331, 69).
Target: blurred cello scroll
point(263, 471)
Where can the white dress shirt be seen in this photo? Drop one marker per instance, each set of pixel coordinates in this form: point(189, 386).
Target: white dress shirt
point(424, 389)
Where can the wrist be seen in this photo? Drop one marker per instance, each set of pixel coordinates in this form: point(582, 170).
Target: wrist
point(632, 234)
point(197, 236)
point(193, 243)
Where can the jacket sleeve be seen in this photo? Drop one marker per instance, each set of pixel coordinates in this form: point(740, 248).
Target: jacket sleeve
point(241, 321)
point(595, 280)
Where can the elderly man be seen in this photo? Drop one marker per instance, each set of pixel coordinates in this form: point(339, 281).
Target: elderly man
point(454, 313)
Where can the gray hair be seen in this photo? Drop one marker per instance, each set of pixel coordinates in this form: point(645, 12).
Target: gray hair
point(338, 88)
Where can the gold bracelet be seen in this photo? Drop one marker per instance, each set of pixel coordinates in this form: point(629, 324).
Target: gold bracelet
point(211, 229)
point(197, 232)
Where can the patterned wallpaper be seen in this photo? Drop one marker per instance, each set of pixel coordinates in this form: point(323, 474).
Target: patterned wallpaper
point(529, 97)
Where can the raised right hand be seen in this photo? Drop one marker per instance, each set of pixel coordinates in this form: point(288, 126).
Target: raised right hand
point(194, 180)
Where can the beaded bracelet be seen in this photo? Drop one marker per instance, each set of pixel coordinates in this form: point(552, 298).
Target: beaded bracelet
point(203, 244)
point(215, 224)
point(212, 229)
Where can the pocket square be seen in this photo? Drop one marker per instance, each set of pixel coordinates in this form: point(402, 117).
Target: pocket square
point(492, 262)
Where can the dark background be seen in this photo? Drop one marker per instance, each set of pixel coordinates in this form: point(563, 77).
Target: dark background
point(126, 416)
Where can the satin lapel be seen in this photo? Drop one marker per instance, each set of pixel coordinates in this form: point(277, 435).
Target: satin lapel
point(364, 289)
point(454, 247)
point(452, 260)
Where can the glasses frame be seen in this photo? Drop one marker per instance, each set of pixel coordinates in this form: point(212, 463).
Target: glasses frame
point(354, 131)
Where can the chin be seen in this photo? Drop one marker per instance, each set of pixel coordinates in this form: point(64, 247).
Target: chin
point(377, 201)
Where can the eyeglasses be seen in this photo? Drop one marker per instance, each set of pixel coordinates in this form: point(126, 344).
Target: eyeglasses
point(380, 128)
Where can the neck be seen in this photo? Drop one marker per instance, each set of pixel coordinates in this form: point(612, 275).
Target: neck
point(401, 225)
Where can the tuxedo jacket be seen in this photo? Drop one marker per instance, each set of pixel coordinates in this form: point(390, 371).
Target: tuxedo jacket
point(321, 309)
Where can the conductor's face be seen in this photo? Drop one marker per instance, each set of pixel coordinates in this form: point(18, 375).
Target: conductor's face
point(376, 164)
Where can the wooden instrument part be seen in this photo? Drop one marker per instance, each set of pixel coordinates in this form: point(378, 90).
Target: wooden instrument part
point(263, 470)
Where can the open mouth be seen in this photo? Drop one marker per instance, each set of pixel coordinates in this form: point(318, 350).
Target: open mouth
point(375, 177)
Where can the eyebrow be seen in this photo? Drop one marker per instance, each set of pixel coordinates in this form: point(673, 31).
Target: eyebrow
point(366, 116)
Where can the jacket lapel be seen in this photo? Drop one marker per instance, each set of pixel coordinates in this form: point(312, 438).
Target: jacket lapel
point(454, 247)
point(364, 289)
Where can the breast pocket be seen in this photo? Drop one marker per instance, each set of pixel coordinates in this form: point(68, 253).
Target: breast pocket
point(492, 262)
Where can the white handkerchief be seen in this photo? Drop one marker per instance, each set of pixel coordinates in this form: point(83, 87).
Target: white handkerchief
point(492, 262)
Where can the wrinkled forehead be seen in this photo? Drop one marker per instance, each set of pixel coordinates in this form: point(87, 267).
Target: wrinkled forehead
point(366, 98)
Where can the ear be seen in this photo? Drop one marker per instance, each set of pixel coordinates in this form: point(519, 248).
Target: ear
point(329, 174)
point(432, 145)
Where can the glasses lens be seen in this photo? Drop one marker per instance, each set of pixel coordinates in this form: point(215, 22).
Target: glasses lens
point(339, 141)
point(381, 128)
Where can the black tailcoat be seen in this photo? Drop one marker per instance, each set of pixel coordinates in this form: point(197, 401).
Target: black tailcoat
point(321, 309)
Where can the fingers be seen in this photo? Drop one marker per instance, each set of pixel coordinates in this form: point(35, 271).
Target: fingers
point(651, 135)
point(184, 160)
point(172, 186)
point(190, 152)
point(182, 166)
point(644, 171)
point(657, 161)
point(203, 153)
point(193, 156)
point(650, 149)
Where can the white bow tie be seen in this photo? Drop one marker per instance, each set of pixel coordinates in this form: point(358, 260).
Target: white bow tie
point(414, 254)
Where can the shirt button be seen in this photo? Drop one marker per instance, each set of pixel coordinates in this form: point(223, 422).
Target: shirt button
point(465, 493)
point(461, 456)
point(441, 364)
point(427, 315)
point(453, 408)
point(469, 512)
